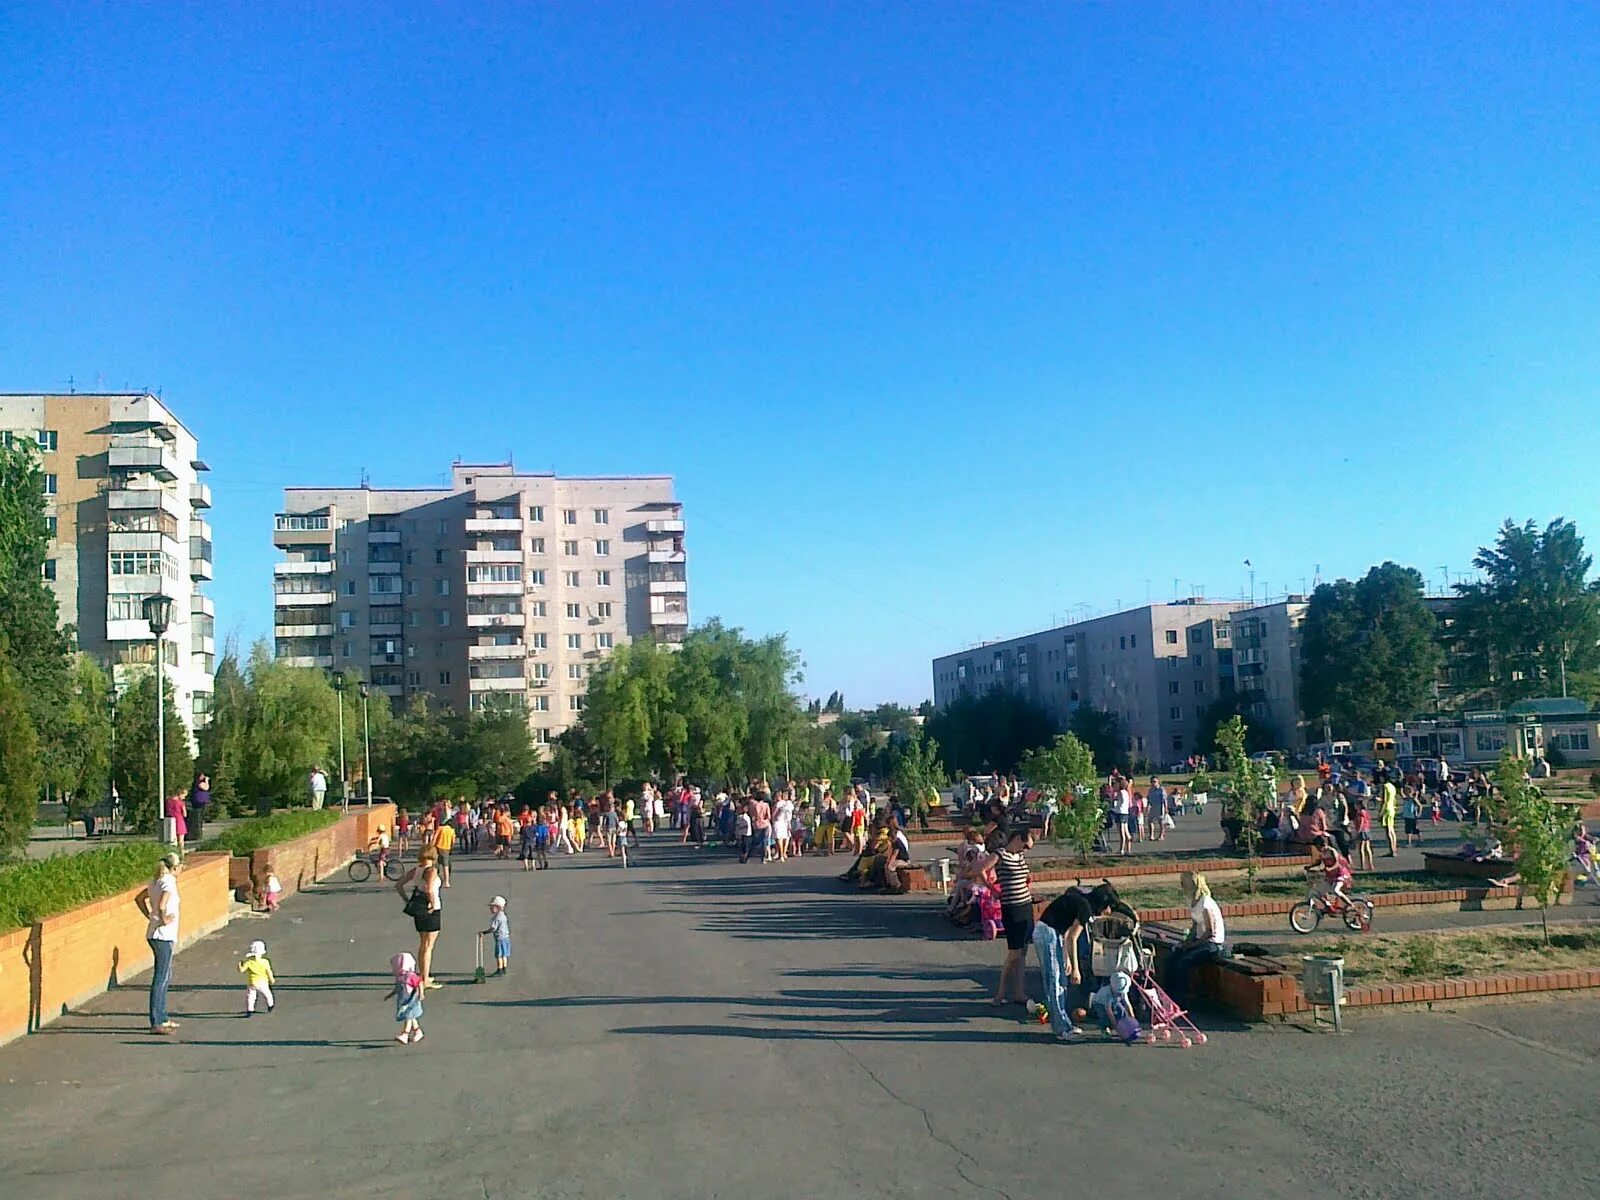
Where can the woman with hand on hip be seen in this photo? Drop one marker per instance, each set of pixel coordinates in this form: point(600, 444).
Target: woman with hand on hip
point(425, 907)
point(160, 905)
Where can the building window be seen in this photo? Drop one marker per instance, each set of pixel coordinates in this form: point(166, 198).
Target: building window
point(1199, 687)
point(413, 618)
point(537, 608)
point(1172, 687)
point(603, 609)
point(574, 703)
point(143, 562)
point(541, 704)
point(442, 615)
point(537, 578)
point(491, 573)
point(438, 558)
point(602, 547)
point(569, 548)
point(602, 579)
point(50, 526)
point(344, 649)
point(535, 545)
point(602, 641)
point(574, 641)
point(1199, 660)
point(1175, 713)
point(602, 516)
point(574, 670)
point(441, 587)
point(411, 587)
point(49, 484)
point(571, 578)
point(540, 641)
point(1172, 637)
point(536, 512)
point(569, 516)
point(1122, 643)
point(541, 737)
point(411, 557)
point(414, 678)
point(48, 570)
point(574, 612)
point(1177, 743)
point(541, 670)
point(346, 618)
point(47, 440)
point(444, 678)
point(383, 585)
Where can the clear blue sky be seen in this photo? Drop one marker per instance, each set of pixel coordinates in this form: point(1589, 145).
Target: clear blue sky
point(946, 317)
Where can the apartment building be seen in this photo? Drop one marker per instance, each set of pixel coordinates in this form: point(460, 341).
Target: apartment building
point(126, 508)
point(1157, 667)
point(1265, 660)
point(505, 587)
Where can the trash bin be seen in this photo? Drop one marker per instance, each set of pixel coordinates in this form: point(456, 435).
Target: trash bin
point(263, 806)
point(943, 873)
point(1322, 979)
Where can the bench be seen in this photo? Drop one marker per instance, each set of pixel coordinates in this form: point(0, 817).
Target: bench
point(1466, 868)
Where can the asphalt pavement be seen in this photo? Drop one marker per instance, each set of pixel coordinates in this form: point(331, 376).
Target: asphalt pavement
point(693, 1028)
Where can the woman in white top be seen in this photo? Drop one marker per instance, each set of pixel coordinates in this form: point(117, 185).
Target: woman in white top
point(160, 905)
point(1122, 812)
point(782, 819)
point(1206, 939)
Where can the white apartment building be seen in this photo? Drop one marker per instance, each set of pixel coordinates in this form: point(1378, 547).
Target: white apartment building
point(503, 587)
point(127, 511)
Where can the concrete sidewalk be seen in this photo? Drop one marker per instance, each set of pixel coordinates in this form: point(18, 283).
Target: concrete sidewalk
point(690, 1028)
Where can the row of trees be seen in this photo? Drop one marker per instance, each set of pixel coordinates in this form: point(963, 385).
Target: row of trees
point(1374, 651)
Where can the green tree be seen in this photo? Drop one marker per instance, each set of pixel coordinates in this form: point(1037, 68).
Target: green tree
point(916, 773)
point(1217, 714)
point(1538, 830)
point(1534, 620)
point(291, 725)
point(978, 734)
point(19, 759)
point(498, 749)
point(82, 766)
point(1370, 653)
point(1246, 792)
point(135, 764)
point(1067, 771)
point(1102, 732)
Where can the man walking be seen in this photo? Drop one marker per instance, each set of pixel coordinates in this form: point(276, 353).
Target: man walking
point(319, 788)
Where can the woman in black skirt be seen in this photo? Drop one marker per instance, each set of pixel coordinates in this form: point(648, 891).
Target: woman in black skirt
point(1016, 913)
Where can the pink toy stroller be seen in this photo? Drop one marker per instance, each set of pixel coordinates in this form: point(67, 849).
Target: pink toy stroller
point(1117, 947)
point(988, 901)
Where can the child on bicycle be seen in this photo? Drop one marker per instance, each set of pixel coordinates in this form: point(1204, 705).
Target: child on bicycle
point(380, 846)
point(1334, 869)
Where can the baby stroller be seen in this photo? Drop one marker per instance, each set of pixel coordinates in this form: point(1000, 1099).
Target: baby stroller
point(988, 902)
point(1119, 955)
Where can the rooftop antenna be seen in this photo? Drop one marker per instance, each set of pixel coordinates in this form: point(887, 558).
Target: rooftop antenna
point(72, 386)
point(366, 480)
point(1316, 579)
point(1446, 570)
point(1175, 582)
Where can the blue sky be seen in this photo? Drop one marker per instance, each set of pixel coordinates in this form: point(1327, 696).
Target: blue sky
point(946, 317)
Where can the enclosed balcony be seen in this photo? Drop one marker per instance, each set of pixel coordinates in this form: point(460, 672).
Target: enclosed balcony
point(141, 454)
point(200, 495)
point(665, 526)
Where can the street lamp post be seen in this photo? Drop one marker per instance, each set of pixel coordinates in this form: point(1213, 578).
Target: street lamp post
point(158, 615)
point(366, 741)
point(339, 685)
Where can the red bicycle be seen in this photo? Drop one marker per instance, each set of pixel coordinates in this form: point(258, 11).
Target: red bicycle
point(1307, 915)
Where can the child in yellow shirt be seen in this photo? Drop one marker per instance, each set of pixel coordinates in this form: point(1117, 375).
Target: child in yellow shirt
point(257, 971)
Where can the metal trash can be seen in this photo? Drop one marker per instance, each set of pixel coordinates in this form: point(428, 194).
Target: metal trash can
point(1322, 979)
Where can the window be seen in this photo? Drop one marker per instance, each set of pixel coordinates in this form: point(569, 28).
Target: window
point(1199, 687)
point(491, 573)
point(50, 484)
point(574, 670)
point(541, 704)
point(1199, 712)
point(602, 641)
point(571, 578)
point(50, 526)
point(602, 516)
point(346, 618)
point(441, 587)
point(1567, 739)
point(438, 558)
point(602, 547)
point(574, 641)
point(411, 557)
point(536, 577)
point(537, 608)
point(541, 670)
point(48, 570)
point(1172, 637)
point(444, 678)
point(1177, 743)
point(143, 562)
point(414, 678)
point(603, 609)
point(569, 548)
point(569, 516)
point(1172, 688)
point(574, 612)
point(1175, 713)
point(541, 737)
point(1122, 643)
point(1199, 660)
point(444, 527)
point(540, 641)
point(574, 703)
point(47, 440)
point(344, 558)
point(1489, 741)
point(344, 649)
point(442, 616)
point(1194, 635)
point(536, 512)
point(413, 618)
point(383, 585)
point(602, 579)
point(535, 545)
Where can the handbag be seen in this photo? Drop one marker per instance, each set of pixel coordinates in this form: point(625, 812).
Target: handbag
point(416, 906)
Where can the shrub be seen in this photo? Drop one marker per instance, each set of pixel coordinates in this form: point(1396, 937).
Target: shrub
point(249, 836)
point(30, 892)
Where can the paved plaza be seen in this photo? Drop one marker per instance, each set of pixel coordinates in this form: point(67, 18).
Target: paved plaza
point(691, 1028)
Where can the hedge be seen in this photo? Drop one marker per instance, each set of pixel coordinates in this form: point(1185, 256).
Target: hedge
point(32, 891)
point(249, 836)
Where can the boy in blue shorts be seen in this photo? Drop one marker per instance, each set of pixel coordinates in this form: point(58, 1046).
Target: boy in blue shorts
point(500, 928)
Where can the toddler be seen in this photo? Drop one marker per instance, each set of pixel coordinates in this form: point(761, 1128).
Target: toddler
point(1113, 1008)
point(274, 891)
point(258, 978)
point(407, 993)
point(500, 927)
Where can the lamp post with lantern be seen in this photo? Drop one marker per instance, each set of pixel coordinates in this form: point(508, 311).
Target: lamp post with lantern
point(340, 683)
point(366, 740)
point(158, 615)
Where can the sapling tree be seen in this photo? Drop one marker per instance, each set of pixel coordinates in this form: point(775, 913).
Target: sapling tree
point(1538, 831)
point(1247, 792)
point(1066, 770)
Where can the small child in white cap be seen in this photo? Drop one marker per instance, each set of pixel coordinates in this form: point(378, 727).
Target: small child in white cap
point(258, 978)
point(500, 927)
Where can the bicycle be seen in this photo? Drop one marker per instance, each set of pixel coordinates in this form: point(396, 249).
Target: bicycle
point(360, 869)
point(1307, 915)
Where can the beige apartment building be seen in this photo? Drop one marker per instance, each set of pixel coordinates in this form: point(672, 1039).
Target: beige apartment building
point(126, 504)
point(505, 587)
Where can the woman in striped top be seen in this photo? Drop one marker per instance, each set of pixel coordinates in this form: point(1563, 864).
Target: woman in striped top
point(1016, 913)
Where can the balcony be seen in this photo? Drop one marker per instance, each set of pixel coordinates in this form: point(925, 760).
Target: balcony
point(667, 556)
point(383, 537)
point(497, 652)
point(494, 524)
point(390, 689)
point(200, 495)
point(279, 599)
point(204, 605)
point(495, 587)
point(200, 528)
point(382, 568)
point(386, 658)
point(494, 556)
point(670, 618)
point(199, 643)
point(382, 630)
point(200, 569)
point(144, 499)
point(307, 660)
point(142, 539)
point(324, 567)
point(669, 587)
point(133, 630)
point(295, 529)
point(656, 528)
point(302, 631)
point(512, 683)
point(139, 456)
point(495, 620)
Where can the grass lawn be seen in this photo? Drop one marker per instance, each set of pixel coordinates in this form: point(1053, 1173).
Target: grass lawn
point(1289, 887)
point(1393, 957)
point(1177, 858)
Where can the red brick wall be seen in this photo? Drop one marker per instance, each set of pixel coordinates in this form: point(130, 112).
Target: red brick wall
point(59, 963)
point(305, 860)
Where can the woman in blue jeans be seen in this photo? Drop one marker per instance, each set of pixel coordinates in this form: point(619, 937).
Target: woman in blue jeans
point(1060, 939)
point(1205, 942)
point(160, 906)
